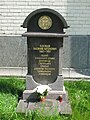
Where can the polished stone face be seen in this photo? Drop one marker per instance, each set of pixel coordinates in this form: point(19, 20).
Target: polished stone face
point(43, 52)
point(45, 22)
point(43, 59)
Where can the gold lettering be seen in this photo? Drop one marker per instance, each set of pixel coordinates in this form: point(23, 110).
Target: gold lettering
point(46, 74)
point(44, 61)
point(44, 55)
point(44, 71)
point(44, 48)
point(44, 66)
point(51, 58)
point(42, 58)
point(49, 69)
point(44, 45)
point(50, 49)
point(37, 48)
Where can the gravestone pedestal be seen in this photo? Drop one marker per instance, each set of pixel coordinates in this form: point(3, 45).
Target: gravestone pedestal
point(57, 85)
point(57, 88)
point(44, 55)
point(51, 106)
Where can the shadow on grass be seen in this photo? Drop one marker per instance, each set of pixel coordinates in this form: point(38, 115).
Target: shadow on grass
point(12, 85)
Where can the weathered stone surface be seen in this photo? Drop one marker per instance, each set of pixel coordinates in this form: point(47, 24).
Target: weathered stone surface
point(29, 95)
point(57, 85)
point(76, 52)
point(13, 51)
point(65, 107)
point(22, 106)
point(49, 107)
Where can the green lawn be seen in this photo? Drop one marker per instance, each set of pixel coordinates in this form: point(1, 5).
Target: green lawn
point(11, 88)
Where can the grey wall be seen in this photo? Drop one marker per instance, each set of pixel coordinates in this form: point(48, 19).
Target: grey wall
point(13, 51)
point(76, 53)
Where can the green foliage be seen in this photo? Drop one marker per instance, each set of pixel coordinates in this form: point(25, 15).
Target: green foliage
point(79, 95)
point(11, 89)
point(12, 85)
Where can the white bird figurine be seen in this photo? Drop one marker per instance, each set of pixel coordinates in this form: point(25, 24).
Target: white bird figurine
point(41, 89)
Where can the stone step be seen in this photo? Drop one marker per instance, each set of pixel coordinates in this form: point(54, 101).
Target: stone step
point(28, 94)
point(49, 107)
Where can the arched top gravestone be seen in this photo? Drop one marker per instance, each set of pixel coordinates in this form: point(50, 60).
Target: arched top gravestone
point(44, 55)
point(56, 19)
point(45, 40)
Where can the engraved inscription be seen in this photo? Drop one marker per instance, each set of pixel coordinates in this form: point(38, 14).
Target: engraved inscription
point(45, 60)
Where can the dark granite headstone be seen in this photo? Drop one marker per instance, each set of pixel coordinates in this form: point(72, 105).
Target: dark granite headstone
point(44, 44)
point(43, 51)
point(43, 60)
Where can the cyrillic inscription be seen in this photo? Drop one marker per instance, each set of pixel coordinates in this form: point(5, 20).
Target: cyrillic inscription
point(44, 61)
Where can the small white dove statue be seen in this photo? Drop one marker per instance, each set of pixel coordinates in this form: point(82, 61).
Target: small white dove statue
point(42, 88)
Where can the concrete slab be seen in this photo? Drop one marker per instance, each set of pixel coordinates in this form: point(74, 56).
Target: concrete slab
point(22, 106)
point(49, 107)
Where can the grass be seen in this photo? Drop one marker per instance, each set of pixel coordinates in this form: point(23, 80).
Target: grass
point(11, 89)
point(79, 95)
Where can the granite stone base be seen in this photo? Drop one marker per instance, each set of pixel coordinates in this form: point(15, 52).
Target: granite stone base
point(49, 107)
point(52, 103)
point(53, 94)
point(57, 85)
point(31, 102)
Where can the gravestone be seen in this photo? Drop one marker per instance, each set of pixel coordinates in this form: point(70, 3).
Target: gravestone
point(45, 33)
